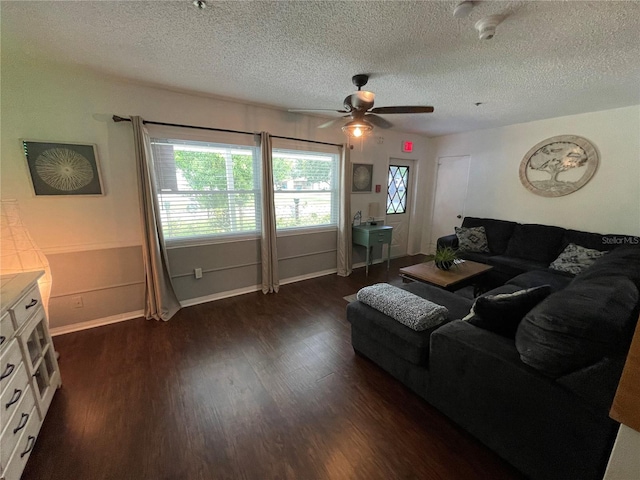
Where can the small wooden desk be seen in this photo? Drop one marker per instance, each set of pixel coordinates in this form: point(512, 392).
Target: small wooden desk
point(370, 235)
point(459, 276)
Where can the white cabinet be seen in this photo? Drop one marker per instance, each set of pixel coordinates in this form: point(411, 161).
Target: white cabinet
point(29, 373)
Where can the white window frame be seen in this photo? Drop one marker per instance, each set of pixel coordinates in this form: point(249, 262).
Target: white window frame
point(226, 149)
point(334, 191)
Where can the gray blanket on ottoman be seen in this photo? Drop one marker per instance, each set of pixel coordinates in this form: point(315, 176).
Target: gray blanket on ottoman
point(405, 307)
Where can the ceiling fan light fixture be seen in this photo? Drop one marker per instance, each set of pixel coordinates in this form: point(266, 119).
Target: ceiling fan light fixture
point(357, 128)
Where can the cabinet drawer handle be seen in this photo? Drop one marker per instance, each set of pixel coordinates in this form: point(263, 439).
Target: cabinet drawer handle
point(16, 396)
point(7, 371)
point(30, 442)
point(2, 339)
point(23, 421)
point(32, 303)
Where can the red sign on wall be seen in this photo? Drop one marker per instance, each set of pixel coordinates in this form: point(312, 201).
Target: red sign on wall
point(407, 147)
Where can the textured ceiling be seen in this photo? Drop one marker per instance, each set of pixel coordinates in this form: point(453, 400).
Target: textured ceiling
point(547, 59)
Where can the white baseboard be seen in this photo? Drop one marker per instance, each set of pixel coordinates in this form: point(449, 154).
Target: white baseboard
point(218, 296)
point(373, 262)
point(99, 322)
point(76, 327)
point(308, 276)
point(254, 288)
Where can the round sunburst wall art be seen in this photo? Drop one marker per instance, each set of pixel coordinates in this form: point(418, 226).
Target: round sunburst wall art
point(59, 168)
point(64, 169)
point(559, 165)
point(362, 175)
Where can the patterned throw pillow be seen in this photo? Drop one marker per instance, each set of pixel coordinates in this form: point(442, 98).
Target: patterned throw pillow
point(472, 239)
point(575, 258)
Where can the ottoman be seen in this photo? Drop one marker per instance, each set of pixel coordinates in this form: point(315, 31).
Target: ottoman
point(397, 349)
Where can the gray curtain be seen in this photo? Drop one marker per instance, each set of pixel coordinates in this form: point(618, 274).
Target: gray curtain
point(344, 215)
point(161, 302)
point(269, 248)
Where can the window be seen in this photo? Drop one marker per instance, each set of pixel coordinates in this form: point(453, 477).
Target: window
point(305, 188)
point(206, 189)
point(397, 189)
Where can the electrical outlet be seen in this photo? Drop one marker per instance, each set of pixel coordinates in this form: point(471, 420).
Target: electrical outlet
point(77, 302)
point(197, 272)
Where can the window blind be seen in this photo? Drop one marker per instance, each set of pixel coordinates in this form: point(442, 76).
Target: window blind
point(305, 188)
point(206, 189)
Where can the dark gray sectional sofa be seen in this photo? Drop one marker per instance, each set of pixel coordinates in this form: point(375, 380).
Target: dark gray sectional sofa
point(517, 248)
point(540, 400)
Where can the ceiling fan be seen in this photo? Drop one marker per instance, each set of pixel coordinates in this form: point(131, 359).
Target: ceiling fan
point(359, 106)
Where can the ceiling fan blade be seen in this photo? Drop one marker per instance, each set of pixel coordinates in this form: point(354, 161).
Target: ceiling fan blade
point(302, 110)
point(330, 122)
point(414, 109)
point(378, 121)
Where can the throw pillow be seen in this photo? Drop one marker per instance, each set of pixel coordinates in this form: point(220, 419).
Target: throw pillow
point(579, 325)
point(473, 239)
point(575, 258)
point(503, 312)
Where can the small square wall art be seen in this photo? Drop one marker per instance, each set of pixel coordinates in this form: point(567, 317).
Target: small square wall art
point(59, 168)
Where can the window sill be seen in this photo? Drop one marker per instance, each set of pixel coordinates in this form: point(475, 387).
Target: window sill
point(202, 241)
point(291, 232)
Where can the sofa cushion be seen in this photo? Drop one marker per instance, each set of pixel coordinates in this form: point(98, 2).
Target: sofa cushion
point(475, 256)
point(575, 258)
point(623, 260)
point(579, 325)
point(539, 243)
point(556, 280)
point(595, 241)
point(501, 313)
point(515, 266)
point(498, 232)
point(596, 384)
point(472, 239)
point(448, 241)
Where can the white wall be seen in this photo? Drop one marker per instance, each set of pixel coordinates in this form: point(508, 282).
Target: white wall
point(609, 203)
point(91, 241)
point(378, 151)
point(624, 463)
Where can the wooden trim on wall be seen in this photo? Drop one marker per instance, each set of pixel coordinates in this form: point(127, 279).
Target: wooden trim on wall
point(626, 404)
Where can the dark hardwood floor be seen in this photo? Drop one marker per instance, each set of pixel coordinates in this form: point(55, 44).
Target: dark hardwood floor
point(251, 387)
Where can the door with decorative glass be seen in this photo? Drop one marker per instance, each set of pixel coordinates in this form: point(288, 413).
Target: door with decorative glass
point(398, 203)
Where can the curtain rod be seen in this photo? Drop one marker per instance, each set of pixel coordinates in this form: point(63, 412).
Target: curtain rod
point(305, 140)
point(118, 119)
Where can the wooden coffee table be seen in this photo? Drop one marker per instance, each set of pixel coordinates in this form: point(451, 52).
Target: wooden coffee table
point(460, 275)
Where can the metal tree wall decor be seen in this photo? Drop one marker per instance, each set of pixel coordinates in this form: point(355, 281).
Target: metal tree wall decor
point(558, 165)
